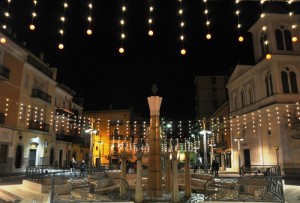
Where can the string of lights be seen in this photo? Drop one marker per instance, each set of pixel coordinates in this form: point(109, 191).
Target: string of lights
point(180, 12)
point(32, 25)
point(61, 31)
point(89, 18)
point(122, 22)
point(150, 9)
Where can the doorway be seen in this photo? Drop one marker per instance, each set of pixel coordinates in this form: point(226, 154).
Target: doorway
point(32, 157)
point(247, 158)
point(18, 160)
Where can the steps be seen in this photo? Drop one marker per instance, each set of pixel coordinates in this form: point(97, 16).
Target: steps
point(8, 197)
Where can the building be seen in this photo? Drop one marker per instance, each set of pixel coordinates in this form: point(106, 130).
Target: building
point(211, 94)
point(117, 131)
point(32, 107)
point(263, 98)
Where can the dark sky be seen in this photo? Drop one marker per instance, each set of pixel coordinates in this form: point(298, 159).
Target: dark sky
point(93, 68)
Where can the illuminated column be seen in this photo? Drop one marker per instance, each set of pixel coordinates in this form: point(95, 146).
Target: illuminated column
point(174, 195)
point(204, 132)
point(154, 166)
point(239, 139)
point(187, 178)
point(139, 186)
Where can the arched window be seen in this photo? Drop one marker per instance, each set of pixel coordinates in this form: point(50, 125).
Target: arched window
point(243, 97)
point(250, 93)
point(263, 46)
point(289, 81)
point(269, 84)
point(235, 102)
point(283, 39)
point(279, 39)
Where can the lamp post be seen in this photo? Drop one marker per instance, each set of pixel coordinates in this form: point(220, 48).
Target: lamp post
point(239, 139)
point(100, 153)
point(204, 132)
point(91, 131)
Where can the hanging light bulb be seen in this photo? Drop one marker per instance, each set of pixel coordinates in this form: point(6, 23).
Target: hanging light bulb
point(89, 31)
point(183, 51)
point(32, 27)
point(294, 39)
point(3, 40)
point(121, 50)
point(150, 33)
point(268, 56)
point(60, 46)
point(241, 38)
point(208, 36)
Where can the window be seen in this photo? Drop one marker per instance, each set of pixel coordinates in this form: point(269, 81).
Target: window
point(26, 81)
point(55, 101)
point(243, 97)
point(213, 80)
point(263, 46)
point(269, 84)
point(3, 153)
point(289, 81)
point(283, 39)
point(250, 92)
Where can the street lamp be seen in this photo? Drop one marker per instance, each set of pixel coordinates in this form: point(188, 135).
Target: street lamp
point(238, 140)
point(100, 143)
point(204, 132)
point(91, 131)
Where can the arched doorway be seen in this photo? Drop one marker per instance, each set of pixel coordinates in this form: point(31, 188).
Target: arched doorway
point(32, 153)
point(19, 155)
point(60, 157)
point(51, 156)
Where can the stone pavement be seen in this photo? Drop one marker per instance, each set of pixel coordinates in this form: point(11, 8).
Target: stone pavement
point(15, 190)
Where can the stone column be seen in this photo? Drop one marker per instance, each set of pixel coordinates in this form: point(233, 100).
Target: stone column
point(123, 165)
point(154, 166)
point(168, 172)
point(175, 195)
point(139, 185)
point(187, 175)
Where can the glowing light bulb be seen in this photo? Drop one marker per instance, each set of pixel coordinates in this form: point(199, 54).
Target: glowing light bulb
point(183, 51)
point(89, 31)
point(268, 56)
point(60, 46)
point(3, 40)
point(150, 33)
point(121, 50)
point(32, 27)
point(208, 36)
point(294, 39)
point(241, 38)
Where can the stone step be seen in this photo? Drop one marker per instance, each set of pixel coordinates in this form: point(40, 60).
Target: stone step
point(6, 197)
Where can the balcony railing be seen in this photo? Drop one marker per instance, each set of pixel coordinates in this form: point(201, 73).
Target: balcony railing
point(4, 72)
point(41, 95)
point(71, 138)
point(2, 118)
point(39, 65)
point(36, 125)
point(62, 111)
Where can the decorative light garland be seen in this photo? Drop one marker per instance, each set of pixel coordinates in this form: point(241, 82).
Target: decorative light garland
point(61, 31)
point(122, 22)
point(32, 26)
point(89, 18)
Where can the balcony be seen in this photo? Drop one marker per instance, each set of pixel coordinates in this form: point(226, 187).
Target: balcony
point(70, 138)
point(37, 93)
point(64, 112)
point(36, 125)
point(2, 118)
point(4, 72)
point(39, 65)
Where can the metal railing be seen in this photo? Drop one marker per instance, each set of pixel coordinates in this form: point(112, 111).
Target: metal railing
point(246, 189)
point(104, 189)
point(266, 170)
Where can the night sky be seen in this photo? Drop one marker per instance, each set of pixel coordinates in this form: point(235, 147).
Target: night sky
point(94, 69)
